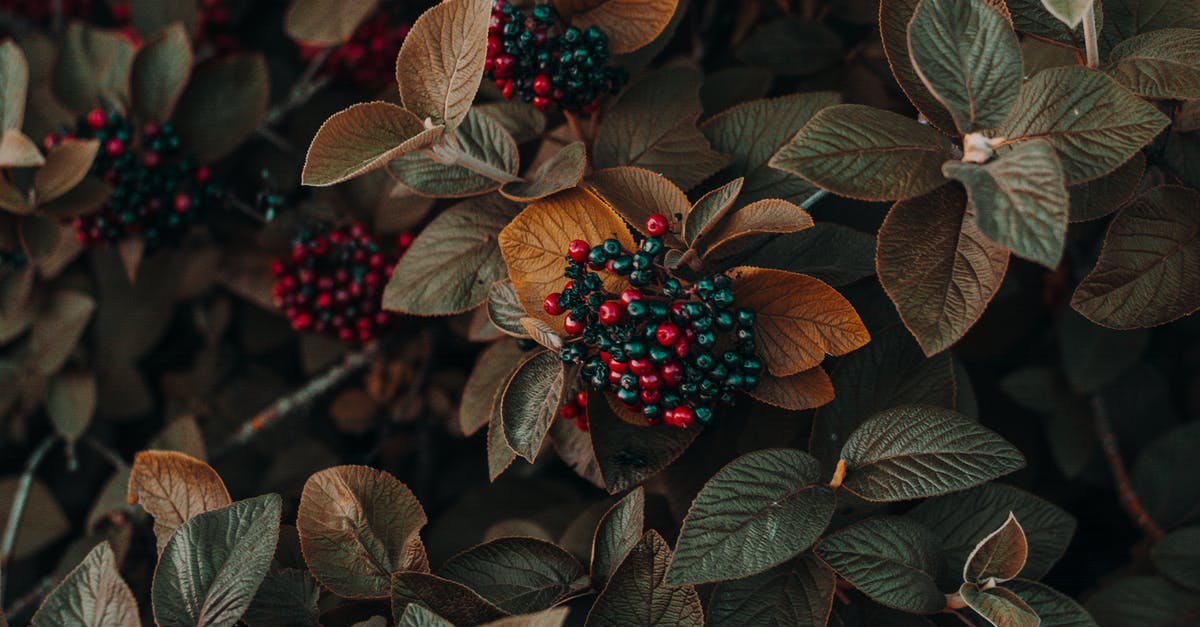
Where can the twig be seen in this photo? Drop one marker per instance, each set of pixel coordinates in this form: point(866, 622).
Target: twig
point(20, 499)
point(813, 199)
point(305, 86)
point(32, 598)
point(109, 455)
point(1129, 498)
point(1090, 40)
point(245, 208)
point(350, 364)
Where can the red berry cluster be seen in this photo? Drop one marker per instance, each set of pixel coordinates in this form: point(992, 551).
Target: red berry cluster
point(333, 282)
point(576, 409)
point(368, 60)
point(656, 344)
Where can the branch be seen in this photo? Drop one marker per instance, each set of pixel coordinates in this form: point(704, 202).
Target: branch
point(20, 499)
point(1129, 498)
point(304, 88)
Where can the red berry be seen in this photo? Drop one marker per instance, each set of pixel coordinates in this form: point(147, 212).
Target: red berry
point(581, 398)
point(650, 381)
point(578, 250)
point(183, 203)
point(667, 334)
point(541, 84)
point(542, 102)
point(630, 295)
point(573, 326)
point(95, 119)
point(203, 174)
point(114, 147)
point(552, 305)
point(507, 90)
point(618, 367)
point(657, 224)
point(404, 241)
point(640, 367)
point(672, 372)
point(610, 312)
point(649, 396)
point(502, 67)
point(614, 377)
point(494, 45)
point(682, 348)
point(151, 159)
point(681, 417)
point(568, 411)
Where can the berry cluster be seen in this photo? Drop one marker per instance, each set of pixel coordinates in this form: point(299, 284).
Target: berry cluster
point(368, 60)
point(333, 282)
point(576, 409)
point(157, 191)
point(666, 350)
point(531, 57)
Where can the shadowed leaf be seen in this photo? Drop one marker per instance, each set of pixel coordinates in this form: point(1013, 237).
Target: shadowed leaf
point(638, 596)
point(797, 392)
point(529, 402)
point(892, 560)
point(160, 73)
point(91, 595)
point(618, 533)
point(518, 575)
point(629, 24)
point(799, 593)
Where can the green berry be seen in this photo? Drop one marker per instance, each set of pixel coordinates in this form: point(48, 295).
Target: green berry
point(708, 338)
point(629, 381)
point(651, 411)
point(704, 415)
point(705, 361)
point(641, 261)
point(635, 349)
point(611, 247)
point(622, 265)
point(628, 397)
point(636, 309)
point(745, 317)
point(659, 354)
point(752, 365)
point(652, 245)
point(703, 323)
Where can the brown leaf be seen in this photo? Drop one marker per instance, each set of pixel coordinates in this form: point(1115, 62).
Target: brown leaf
point(66, 165)
point(18, 151)
point(803, 390)
point(636, 193)
point(937, 267)
point(131, 251)
point(70, 402)
point(223, 104)
point(799, 318)
point(362, 138)
point(441, 61)
point(772, 215)
point(174, 487)
point(325, 22)
point(710, 209)
point(561, 171)
point(58, 329)
point(630, 24)
point(998, 557)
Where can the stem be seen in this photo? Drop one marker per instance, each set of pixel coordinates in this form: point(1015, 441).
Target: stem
point(813, 199)
point(112, 457)
point(1129, 498)
point(305, 86)
point(20, 499)
point(350, 364)
point(1090, 40)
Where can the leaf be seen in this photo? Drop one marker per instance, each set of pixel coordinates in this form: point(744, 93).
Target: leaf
point(1019, 200)
point(58, 328)
point(530, 402)
point(18, 151)
point(499, 454)
point(453, 601)
point(357, 526)
point(999, 606)
point(160, 73)
point(1161, 64)
point(889, 371)
point(759, 511)
point(488, 378)
point(562, 171)
point(91, 595)
point(1032, 17)
point(998, 557)
point(629, 454)
point(1093, 356)
point(542, 333)
point(1144, 600)
point(638, 594)
point(1053, 608)
point(518, 575)
point(709, 210)
point(504, 308)
point(287, 596)
point(916, 451)
point(93, 64)
point(1171, 498)
point(753, 132)
point(1069, 12)
point(223, 104)
point(213, 564)
point(42, 523)
point(618, 533)
point(865, 153)
point(799, 593)
point(70, 402)
point(1178, 557)
point(1148, 272)
point(151, 16)
point(653, 126)
point(523, 122)
point(636, 194)
point(962, 519)
point(792, 47)
point(833, 253)
point(479, 138)
point(66, 165)
point(174, 488)
point(1093, 123)
point(324, 23)
point(534, 244)
point(629, 24)
point(894, 18)
point(550, 618)
point(733, 234)
point(891, 559)
point(1102, 196)
point(798, 318)
point(363, 138)
point(454, 260)
point(968, 56)
point(14, 84)
point(937, 267)
point(1126, 18)
point(731, 86)
point(803, 390)
point(441, 61)
point(417, 616)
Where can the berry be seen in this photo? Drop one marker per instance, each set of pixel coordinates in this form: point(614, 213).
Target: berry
point(657, 225)
point(572, 325)
point(667, 334)
point(552, 304)
point(578, 251)
point(610, 313)
point(680, 417)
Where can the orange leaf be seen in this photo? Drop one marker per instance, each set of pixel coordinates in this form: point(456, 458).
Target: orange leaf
point(173, 487)
point(803, 390)
point(630, 24)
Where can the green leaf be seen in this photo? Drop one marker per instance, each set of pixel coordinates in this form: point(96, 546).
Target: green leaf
point(628, 454)
point(548, 618)
point(999, 606)
point(357, 526)
point(480, 138)
point(222, 105)
point(759, 511)
point(70, 402)
point(892, 560)
point(523, 122)
point(894, 18)
point(518, 575)
point(866, 153)
point(559, 172)
point(91, 595)
point(287, 596)
point(1126, 18)
point(618, 533)
point(417, 616)
point(14, 84)
point(799, 593)
point(213, 564)
point(441, 61)
point(835, 254)
point(541, 332)
point(58, 328)
point(999, 556)
point(962, 519)
point(1161, 64)
point(453, 601)
point(1020, 200)
point(917, 451)
point(968, 56)
point(1069, 12)
point(499, 454)
point(792, 47)
point(151, 16)
point(1171, 498)
point(1054, 608)
point(530, 402)
point(160, 73)
point(1093, 123)
point(324, 23)
point(637, 595)
point(653, 126)
point(1092, 356)
point(504, 308)
point(363, 138)
point(937, 267)
point(753, 132)
point(1032, 17)
point(488, 378)
point(709, 210)
point(1100, 197)
point(1148, 272)
point(93, 66)
point(1178, 557)
point(1144, 600)
point(455, 260)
